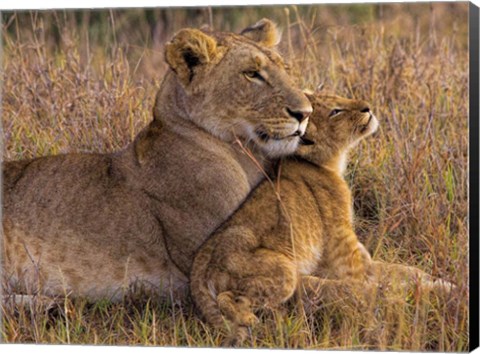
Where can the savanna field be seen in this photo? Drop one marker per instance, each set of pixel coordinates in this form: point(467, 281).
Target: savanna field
point(85, 81)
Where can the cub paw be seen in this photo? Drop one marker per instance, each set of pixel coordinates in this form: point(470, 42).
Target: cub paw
point(245, 314)
point(248, 319)
point(236, 338)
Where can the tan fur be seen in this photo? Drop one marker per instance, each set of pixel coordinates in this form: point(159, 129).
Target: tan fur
point(261, 253)
point(396, 282)
point(93, 224)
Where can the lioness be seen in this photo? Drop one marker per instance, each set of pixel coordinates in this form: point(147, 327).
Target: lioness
point(302, 227)
point(90, 224)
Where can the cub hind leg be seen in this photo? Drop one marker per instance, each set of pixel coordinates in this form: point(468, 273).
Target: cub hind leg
point(268, 280)
point(264, 278)
point(232, 275)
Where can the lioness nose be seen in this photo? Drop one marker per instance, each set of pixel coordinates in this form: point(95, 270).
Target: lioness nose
point(299, 115)
point(365, 110)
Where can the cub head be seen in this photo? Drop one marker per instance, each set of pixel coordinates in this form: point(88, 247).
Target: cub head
point(235, 87)
point(336, 125)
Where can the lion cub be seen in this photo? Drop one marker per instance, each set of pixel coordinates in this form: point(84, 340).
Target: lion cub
point(303, 227)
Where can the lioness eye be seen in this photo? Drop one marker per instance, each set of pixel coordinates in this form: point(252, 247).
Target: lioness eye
point(253, 75)
point(335, 112)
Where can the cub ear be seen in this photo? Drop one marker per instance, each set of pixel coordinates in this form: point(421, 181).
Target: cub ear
point(310, 94)
point(188, 49)
point(265, 32)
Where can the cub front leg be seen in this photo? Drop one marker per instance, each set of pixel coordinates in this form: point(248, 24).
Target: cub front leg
point(404, 276)
point(345, 258)
point(315, 289)
point(345, 274)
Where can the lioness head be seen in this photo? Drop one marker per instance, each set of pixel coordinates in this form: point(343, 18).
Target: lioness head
point(336, 125)
point(235, 86)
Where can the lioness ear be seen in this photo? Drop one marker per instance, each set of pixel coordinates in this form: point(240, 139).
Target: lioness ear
point(188, 49)
point(265, 32)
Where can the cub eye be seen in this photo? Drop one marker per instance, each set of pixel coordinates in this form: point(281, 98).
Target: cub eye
point(335, 111)
point(253, 75)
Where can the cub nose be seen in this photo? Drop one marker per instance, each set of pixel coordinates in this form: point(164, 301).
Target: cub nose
point(299, 114)
point(365, 110)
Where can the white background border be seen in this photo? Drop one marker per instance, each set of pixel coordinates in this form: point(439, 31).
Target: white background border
point(76, 4)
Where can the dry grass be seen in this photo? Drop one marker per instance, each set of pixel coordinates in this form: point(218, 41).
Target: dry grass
point(86, 82)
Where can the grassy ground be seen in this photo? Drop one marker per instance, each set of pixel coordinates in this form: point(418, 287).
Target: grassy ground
point(86, 81)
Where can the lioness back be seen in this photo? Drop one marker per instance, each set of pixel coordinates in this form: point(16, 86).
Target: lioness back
point(76, 231)
point(94, 224)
